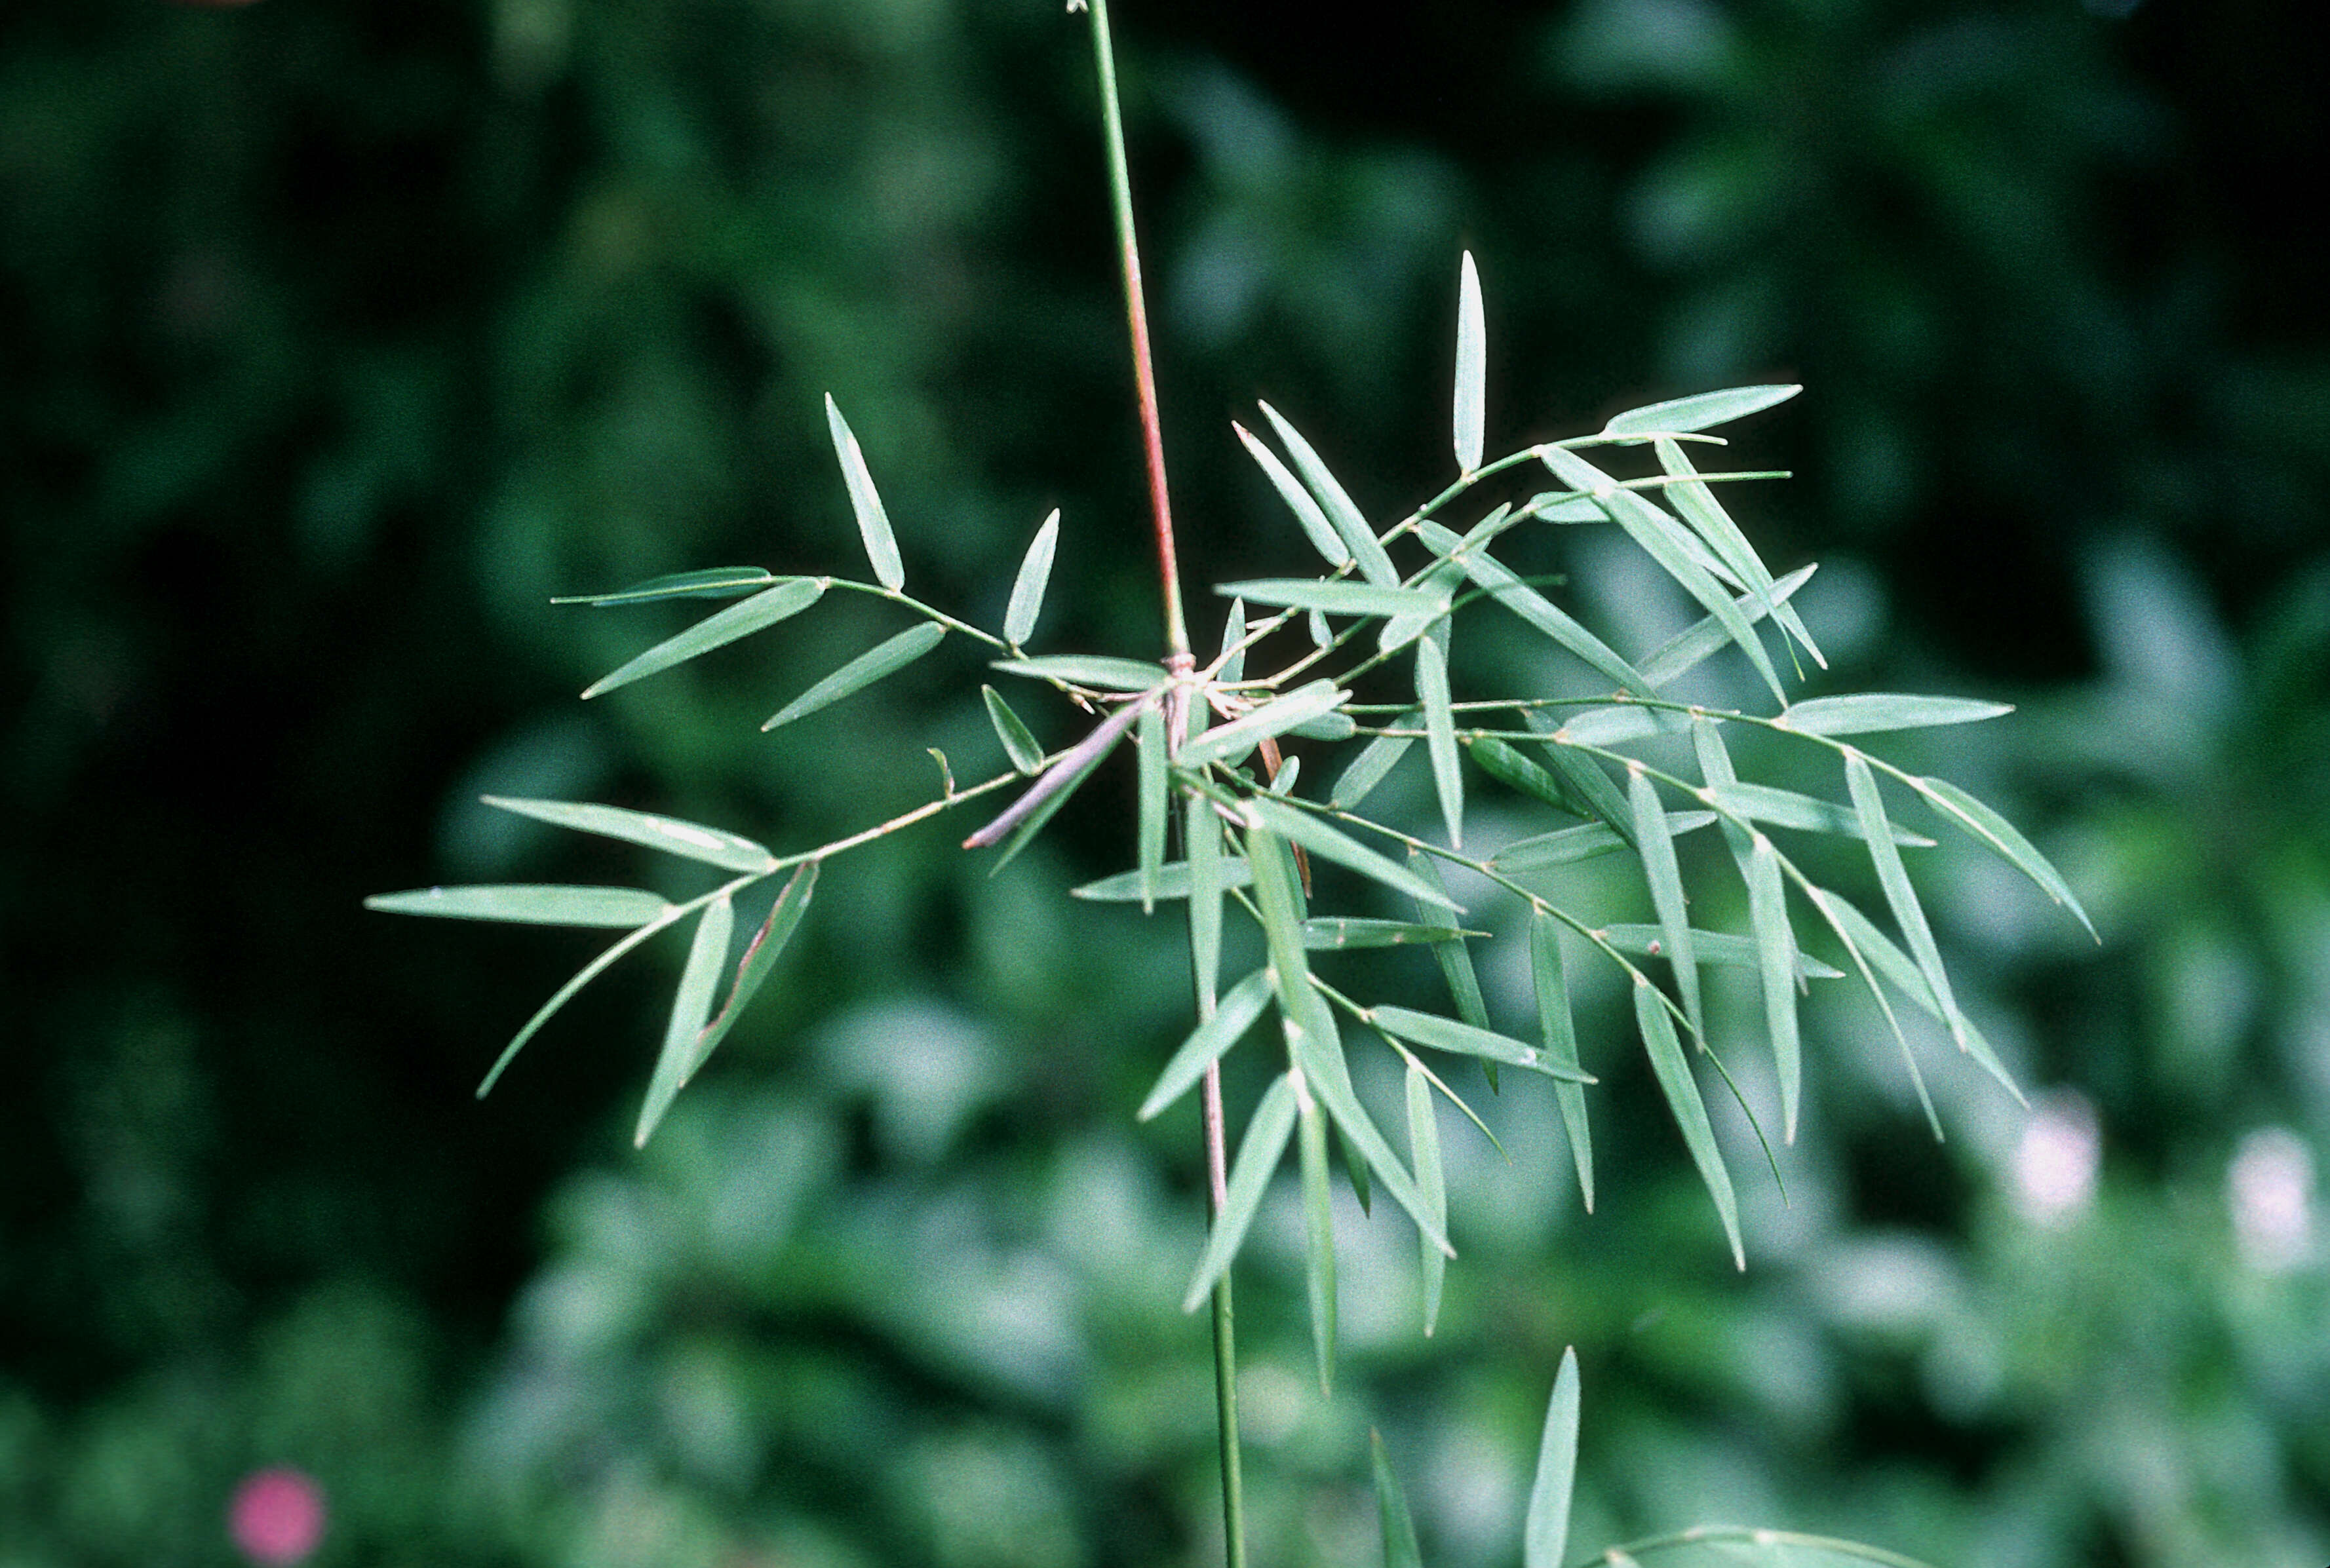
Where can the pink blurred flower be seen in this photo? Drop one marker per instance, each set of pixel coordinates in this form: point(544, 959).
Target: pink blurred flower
point(277, 1517)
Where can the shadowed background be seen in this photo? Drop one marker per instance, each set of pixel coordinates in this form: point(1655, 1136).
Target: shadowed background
point(336, 340)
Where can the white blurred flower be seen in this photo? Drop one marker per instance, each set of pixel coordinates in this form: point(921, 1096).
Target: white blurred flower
point(2055, 1160)
point(2270, 1187)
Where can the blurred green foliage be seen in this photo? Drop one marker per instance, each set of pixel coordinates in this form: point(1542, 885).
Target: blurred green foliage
point(338, 339)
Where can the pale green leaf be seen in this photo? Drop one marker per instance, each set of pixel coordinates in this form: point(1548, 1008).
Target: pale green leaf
point(1331, 844)
point(712, 582)
point(1723, 950)
point(1888, 959)
point(1440, 1034)
point(1859, 946)
point(1950, 801)
point(691, 1005)
point(1776, 960)
point(1333, 598)
point(1261, 1149)
point(1278, 901)
point(1899, 894)
point(1349, 521)
point(1154, 775)
point(1654, 841)
point(1241, 734)
point(1567, 846)
point(1233, 655)
point(529, 903)
point(1026, 600)
point(1399, 1546)
point(1019, 743)
point(1201, 831)
point(1431, 1184)
point(1697, 503)
point(1319, 1238)
point(1681, 1091)
point(760, 955)
point(1703, 411)
point(1550, 974)
point(1615, 726)
point(1509, 768)
point(1174, 878)
point(1499, 582)
point(1334, 725)
point(1334, 933)
point(669, 834)
point(1315, 527)
point(873, 522)
point(1208, 1042)
point(1693, 645)
point(1787, 808)
point(1319, 1054)
point(1440, 736)
point(566, 993)
point(1456, 961)
point(1098, 671)
point(790, 597)
point(1865, 711)
point(1376, 759)
point(884, 658)
point(1472, 369)
point(1545, 1532)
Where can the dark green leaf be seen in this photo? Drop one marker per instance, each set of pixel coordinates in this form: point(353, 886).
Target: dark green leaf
point(529, 903)
point(1472, 369)
point(1315, 526)
point(1019, 743)
point(1681, 1091)
point(1550, 975)
point(1097, 671)
point(1703, 411)
point(1391, 1504)
point(1026, 600)
point(873, 522)
point(691, 1005)
point(1431, 1184)
point(760, 955)
point(1349, 521)
point(669, 834)
point(884, 658)
point(1259, 1152)
point(712, 582)
point(1208, 1042)
point(790, 597)
point(1545, 1533)
point(1319, 1248)
point(1865, 711)
point(1440, 736)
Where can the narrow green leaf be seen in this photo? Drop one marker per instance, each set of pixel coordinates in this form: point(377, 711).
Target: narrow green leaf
point(1654, 840)
point(1233, 664)
point(1693, 645)
point(1019, 743)
point(1401, 1550)
point(1376, 759)
point(1456, 961)
point(1098, 671)
point(1787, 808)
point(1958, 807)
point(790, 597)
point(1722, 949)
point(1901, 970)
point(566, 993)
point(1026, 600)
point(691, 1005)
point(1201, 830)
point(669, 834)
point(1175, 878)
point(1508, 767)
point(1334, 597)
point(1545, 1533)
point(529, 903)
point(1899, 894)
point(1681, 1091)
point(1208, 1042)
point(1439, 584)
point(873, 522)
point(1865, 711)
point(1319, 1248)
point(1275, 718)
point(1615, 726)
point(1696, 501)
point(1331, 844)
point(1703, 411)
point(1349, 521)
point(1499, 582)
point(1261, 1149)
point(1472, 369)
point(1567, 846)
point(760, 960)
point(1318, 1051)
point(884, 658)
point(1151, 741)
point(1775, 951)
point(1440, 736)
point(1278, 899)
point(1841, 918)
point(1549, 972)
point(1588, 786)
point(1431, 1184)
point(1327, 726)
point(1447, 1035)
point(1336, 933)
point(712, 582)
point(1315, 526)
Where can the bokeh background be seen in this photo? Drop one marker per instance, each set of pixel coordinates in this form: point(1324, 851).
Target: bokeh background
point(336, 338)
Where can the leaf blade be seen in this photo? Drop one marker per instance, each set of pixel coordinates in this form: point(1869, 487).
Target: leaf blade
point(1322, 534)
point(864, 501)
point(1269, 721)
point(886, 657)
point(1097, 671)
point(1401, 1550)
point(1336, 598)
point(1151, 741)
point(788, 596)
point(1331, 844)
point(1955, 804)
point(1557, 1024)
point(1260, 1149)
point(691, 1005)
point(1319, 1227)
point(1702, 412)
point(1019, 743)
point(1865, 713)
point(693, 840)
point(530, 903)
point(1776, 953)
point(1471, 412)
point(760, 955)
point(1655, 845)
point(1431, 1185)
point(1349, 523)
point(1545, 1533)
point(1440, 736)
point(1681, 1090)
point(1034, 575)
point(710, 582)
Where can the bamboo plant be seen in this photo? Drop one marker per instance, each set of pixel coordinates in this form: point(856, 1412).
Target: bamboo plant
point(1235, 824)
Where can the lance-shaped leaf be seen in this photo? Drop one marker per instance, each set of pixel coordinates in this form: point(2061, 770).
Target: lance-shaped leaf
point(712, 582)
point(1693, 645)
point(1987, 825)
point(1319, 1054)
point(1025, 817)
point(1322, 534)
point(1319, 1238)
point(1670, 544)
point(1331, 844)
point(1447, 1035)
point(1653, 839)
point(1899, 895)
point(1567, 846)
point(1259, 1152)
point(1278, 899)
point(1777, 960)
point(690, 1006)
point(1508, 767)
point(1902, 971)
point(1583, 781)
point(529, 903)
point(1208, 1042)
point(1019, 743)
point(1376, 759)
point(1456, 961)
point(1843, 919)
point(873, 522)
point(1273, 719)
point(1545, 1532)
point(1471, 368)
point(1499, 582)
point(760, 960)
point(884, 658)
point(1681, 1091)
point(1175, 878)
point(1439, 584)
point(1399, 1546)
point(1431, 1184)
point(1701, 413)
point(566, 993)
point(1715, 948)
point(1334, 597)
point(1333, 933)
point(1152, 802)
point(1027, 601)
point(1549, 974)
point(691, 839)
point(1695, 500)
point(1787, 808)
point(1615, 726)
point(1349, 521)
point(790, 597)
point(1864, 713)
point(1440, 736)
point(1098, 671)
point(1233, 655)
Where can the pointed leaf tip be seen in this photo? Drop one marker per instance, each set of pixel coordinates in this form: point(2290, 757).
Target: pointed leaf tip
point(864, 501)
point(1472, 369)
